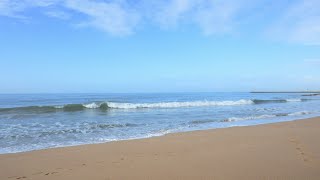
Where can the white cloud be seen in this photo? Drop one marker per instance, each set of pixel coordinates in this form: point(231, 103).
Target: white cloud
point(120, 17)
point(170, 13)
point(216, 17)
point(11, 8)
point(300, 23)
point(111, 17)
point(58, 14)
point(212, 16)
point(15, 8)
point(312, 61)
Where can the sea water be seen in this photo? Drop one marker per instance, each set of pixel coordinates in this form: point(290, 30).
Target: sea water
point(40, 121)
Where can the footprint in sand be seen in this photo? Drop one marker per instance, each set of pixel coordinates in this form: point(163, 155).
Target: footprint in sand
point(22, 177)
point(50, 173)
point(12, 177)
point(299, 148)
point(37, 173)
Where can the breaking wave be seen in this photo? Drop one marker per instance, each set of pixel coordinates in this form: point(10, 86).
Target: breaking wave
point(178, 104)
point(118, 105)
point(262, 101)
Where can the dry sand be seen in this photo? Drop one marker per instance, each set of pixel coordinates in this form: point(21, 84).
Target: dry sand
point(289, 150)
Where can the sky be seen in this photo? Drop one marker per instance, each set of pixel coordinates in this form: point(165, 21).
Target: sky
point(130, 46)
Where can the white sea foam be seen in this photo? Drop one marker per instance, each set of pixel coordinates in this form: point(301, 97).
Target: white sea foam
point(178, 104)
point(159, 133)
point(92, 105)
point(59, 107)
point(250, 117)
point(299, 113)
point(266, 116)
point(293, 100)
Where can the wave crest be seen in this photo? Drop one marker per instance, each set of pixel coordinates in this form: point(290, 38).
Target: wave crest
point(177, 104)
point(119, 105)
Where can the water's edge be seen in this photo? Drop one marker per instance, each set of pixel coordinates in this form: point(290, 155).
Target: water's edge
point(169, 133)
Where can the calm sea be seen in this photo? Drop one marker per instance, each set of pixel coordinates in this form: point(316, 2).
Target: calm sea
point(40, 121)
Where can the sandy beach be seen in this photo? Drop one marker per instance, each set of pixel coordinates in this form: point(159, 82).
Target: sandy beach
point(287, 150)
point(159, 90)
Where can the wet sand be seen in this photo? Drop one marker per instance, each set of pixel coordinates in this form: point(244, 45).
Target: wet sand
point(288, 150)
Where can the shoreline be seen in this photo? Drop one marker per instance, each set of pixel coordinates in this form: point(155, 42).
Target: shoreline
point(166, 134)
point(177, 155)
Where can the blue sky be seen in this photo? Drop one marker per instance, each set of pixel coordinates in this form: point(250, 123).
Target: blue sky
point(158, 46)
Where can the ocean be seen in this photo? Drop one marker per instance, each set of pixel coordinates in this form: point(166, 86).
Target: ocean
point(41, 121)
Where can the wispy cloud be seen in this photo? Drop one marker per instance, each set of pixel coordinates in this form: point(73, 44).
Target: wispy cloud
point(170, 13)
point(11, 8)
point(111, 17)
point(120, 17)
point(212, 16)
point(300, 23)
point(15, 8)
point(58, 14)
point(217, 17)
point(312, 61)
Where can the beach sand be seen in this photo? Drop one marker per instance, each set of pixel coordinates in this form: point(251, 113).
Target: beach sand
point(288, 150)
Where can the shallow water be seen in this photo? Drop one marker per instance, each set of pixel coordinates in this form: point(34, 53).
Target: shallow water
point(39, 121)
